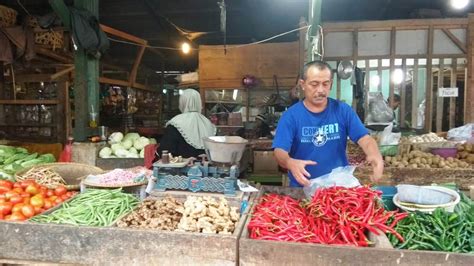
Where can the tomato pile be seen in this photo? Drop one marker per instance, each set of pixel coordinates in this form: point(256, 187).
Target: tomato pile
point(22, 200)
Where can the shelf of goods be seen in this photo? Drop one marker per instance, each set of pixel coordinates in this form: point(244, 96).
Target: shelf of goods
point(37, 111)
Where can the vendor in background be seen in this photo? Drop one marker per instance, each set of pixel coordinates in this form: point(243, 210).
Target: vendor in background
point(262, 128)
point(394, 106)
point(184, 133)
point(311, 136)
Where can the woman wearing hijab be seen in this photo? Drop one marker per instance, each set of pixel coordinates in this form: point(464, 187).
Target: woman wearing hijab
point(184, 133)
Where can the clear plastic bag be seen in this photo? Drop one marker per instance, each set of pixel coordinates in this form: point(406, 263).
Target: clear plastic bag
point(389, 138)
point(461, 133)
point(420, 195)
point(379, 111)
point(341, 176)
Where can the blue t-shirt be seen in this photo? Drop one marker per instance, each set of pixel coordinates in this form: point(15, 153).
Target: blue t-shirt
point(320, 137)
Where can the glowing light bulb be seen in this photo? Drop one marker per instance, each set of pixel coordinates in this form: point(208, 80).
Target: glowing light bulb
point(186, 48)
point(374, 81)
point(459, 4)
point(397, 76)
point(165, 91)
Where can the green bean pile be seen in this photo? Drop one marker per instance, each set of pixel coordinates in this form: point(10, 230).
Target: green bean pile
point(441, 230)
point(95, 207)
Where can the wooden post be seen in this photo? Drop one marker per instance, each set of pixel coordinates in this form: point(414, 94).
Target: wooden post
point(429, 82)
point(452, 100)
point(392, 65)
point(469, 93)
point(414, 95)
point(314, 20)
point(440, 100)
point(403, 94)
point(86, 80)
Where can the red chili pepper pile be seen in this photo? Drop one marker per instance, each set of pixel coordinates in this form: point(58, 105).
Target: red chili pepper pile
point(335, 215)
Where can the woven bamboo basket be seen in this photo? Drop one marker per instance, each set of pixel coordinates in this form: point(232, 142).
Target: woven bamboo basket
point(7, 16)
point(50, 38)
point(72, 173)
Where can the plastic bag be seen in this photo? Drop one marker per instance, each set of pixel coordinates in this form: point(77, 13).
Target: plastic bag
point(389, 138)
point(379, 111)
point(461, 133)
point(421, 195)
point(341, 176)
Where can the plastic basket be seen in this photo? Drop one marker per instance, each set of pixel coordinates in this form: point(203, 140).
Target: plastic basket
point(388, 150)
point(7, 16)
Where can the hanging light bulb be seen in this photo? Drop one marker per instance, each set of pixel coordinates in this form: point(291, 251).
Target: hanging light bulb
point(374, 81)
point(234, 95)
point(397, 76)
point(185, 47)
point(459, 4)
point(180, 92)
point(165, 91)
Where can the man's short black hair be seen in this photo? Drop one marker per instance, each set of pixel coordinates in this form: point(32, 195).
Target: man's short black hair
point(396, 98)
point(321, 65)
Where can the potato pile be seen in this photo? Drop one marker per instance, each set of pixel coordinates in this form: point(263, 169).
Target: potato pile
point(419, 159)
point(466, 152)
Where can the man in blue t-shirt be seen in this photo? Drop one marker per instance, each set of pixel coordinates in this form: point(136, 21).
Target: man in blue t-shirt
point(312, 134)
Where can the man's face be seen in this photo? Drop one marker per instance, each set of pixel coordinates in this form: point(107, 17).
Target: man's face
point(395, 105)
point(316, 87)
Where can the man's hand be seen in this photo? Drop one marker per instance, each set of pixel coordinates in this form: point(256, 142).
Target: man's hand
point(377, 165)
point(297, 168)
point(374, 157)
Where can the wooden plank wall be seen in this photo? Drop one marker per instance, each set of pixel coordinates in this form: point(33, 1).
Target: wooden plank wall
point(226, 70)
point(469, 93)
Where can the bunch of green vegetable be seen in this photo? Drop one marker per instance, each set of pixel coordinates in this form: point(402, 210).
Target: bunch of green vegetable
point(439, 231)
point(14, 159)
point(95, 207)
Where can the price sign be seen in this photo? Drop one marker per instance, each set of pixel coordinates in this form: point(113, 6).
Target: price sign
point(448, 92)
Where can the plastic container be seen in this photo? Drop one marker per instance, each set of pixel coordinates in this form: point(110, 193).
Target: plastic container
point(388, 150)
point(445, 152)
point(387, 196)
point(429, 208)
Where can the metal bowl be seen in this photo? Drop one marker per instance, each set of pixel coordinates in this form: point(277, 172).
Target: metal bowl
point(225, 149)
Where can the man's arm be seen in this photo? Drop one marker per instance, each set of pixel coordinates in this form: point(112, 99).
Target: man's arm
point(373, 156)
point(296, 167)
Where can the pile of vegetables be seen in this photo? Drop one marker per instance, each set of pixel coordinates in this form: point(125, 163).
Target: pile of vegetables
point(335, 215)
point(419, 159)
point(206, 215)
point(439, 231)
point(22, 200)
point(154, 214)
point(197, 214)
point(43, 175)
point(132, 145)
point(95, 207)
point(14, 159)
point(425, 138)
point(466, 152)
point(118, 177)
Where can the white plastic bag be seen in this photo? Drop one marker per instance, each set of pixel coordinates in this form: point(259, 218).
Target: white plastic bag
point(389, 138)
point(461, 133)
point(421, 195)
point(379, 111)
point(341, 176)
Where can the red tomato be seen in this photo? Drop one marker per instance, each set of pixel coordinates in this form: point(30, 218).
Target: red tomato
point(26, 200)
point(28, 211)
point(4, 189)
point(64, 197)
point(38, 210)
point(10, 194)
point(49, 193)
point(2, 200)
point(26, 183)
point(24, 195)
point(32, 189)
point(47, 204)
point(16, 199)
point(17, 184)
point(1, 216)
point(2, 196)
point(6, 183)
point(17, 207)
point(53, 198)
point(60, 190)
point(6, 208)
point(37, 201)
point(58, 201)
point(17, 216)
point(18, 190)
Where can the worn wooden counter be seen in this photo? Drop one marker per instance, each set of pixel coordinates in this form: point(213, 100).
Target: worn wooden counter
point(419, 176)
point(264, 252)
point(118, 246)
